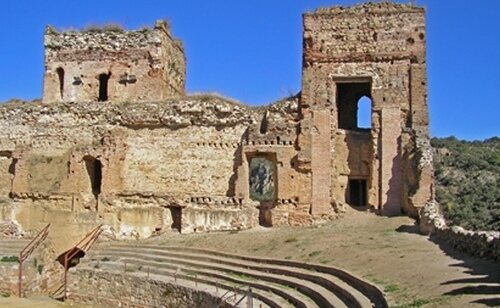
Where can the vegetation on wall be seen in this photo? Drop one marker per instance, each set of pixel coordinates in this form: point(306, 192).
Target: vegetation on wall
point(468, 181)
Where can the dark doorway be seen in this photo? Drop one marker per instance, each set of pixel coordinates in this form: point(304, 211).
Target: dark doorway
point(60, 75)
point(94, 170)
point(265, 215)
point(357, 192)
point(103, 87)
point(176, 213)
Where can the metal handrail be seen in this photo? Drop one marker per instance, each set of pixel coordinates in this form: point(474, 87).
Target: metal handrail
point(249, 300)
point(223, 298)
point(238, 302)
point(26, 252)
point(86, 243)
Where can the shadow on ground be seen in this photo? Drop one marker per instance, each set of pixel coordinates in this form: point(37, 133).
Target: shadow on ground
point(486, 273)
point(485, 280)
point(413, 229)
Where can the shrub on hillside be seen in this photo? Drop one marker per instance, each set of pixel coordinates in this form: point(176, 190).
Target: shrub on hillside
point(468, 181)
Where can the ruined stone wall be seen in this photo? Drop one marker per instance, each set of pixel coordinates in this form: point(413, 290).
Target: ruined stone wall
point(274, 139)
point(355, 148)
point(483, 244)
point(142, 65)
point(180, 164)
point(141, 164)
point(379, 46)
point(115, 290)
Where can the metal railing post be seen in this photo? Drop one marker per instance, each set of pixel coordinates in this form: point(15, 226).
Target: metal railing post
point(20, 277)
point(26, 252)
point(65, 276)
point(249, 298)
point(86, 243)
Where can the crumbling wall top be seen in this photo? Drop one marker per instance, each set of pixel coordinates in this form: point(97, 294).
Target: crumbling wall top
point(108, 37)
point(368, 8)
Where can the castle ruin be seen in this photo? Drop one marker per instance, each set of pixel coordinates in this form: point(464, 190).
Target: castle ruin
point(116, 140)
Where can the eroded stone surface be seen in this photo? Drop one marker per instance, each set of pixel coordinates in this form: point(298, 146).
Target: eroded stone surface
point(147, 159)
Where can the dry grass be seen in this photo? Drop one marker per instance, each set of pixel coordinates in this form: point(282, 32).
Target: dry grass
point(411, 269)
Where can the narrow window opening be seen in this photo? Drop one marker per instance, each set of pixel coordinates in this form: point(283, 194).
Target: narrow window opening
point(12, 166)
point(103, 87)
point(364, 112)
point(351, 97)
point(60, 75)
point(94, 170)
point(263, 124)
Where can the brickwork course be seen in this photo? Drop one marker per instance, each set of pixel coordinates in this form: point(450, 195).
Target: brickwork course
point(117, 141)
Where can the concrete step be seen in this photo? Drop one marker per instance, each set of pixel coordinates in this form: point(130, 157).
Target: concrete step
point(231, 293)
point(12, 247)
point(349, 290)
point(320, 295)
point(283, 296)
point(373, 293)
point(349, 295)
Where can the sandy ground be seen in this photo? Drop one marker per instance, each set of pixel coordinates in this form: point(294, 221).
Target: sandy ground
point(413, 270)
point(33, 302)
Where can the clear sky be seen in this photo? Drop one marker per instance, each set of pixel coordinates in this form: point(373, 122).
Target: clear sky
point(251, 49)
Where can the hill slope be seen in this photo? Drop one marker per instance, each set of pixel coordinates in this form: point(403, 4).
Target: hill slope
point(468, 181)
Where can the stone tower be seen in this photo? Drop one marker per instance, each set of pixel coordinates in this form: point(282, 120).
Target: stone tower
point(376, 51)
point(111, 64)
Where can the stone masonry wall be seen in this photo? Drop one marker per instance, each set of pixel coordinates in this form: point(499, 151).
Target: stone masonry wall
point(114, 290)
point(176, 164)
point(381, 45)
point(116, 142)
point(483, 244)
point(142, 65)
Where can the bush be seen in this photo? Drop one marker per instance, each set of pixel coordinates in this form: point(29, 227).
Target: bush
point(10, 259)
point(468, 181)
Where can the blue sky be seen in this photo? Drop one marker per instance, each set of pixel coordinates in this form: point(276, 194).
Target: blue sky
point(251, 49)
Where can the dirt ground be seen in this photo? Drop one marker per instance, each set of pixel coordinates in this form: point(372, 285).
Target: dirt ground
point(38, 302)
point(412, 269)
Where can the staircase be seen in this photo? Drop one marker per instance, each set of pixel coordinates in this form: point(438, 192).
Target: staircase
point(274, 282)
point(12, 246)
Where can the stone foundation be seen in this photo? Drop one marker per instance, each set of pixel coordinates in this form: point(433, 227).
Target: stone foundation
point(483, 244)
point(114, 290)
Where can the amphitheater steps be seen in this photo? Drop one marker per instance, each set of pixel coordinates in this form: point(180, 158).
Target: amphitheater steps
point(12, 247)
point(277, 283)
point(230, 292)
point(354, 291)
point(275, 291)
point(321, 296)
point(347, 294)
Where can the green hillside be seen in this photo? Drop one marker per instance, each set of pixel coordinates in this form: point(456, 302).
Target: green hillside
point(468, 181)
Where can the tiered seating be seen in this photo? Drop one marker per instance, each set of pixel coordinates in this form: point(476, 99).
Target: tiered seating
point(274, 283)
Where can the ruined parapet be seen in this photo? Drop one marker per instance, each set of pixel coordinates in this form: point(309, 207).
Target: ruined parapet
point(374, 51)
point(111, 64)
point(418, 187)
point(152, 159)
point(483, 244)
